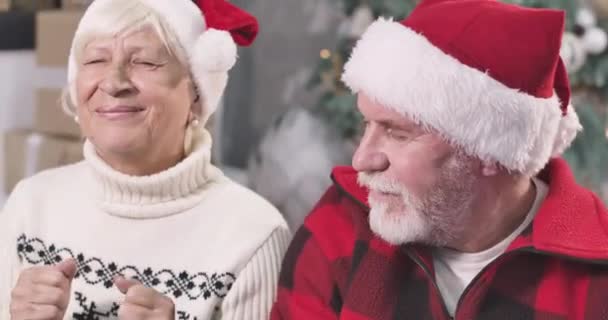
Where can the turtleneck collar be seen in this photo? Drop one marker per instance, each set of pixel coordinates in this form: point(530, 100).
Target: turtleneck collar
point(166, 193)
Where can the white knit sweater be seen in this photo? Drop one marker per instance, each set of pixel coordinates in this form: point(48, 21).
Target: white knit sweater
point(189, 232)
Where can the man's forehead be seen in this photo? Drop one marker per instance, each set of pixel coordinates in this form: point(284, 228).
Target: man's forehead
point(373, 110)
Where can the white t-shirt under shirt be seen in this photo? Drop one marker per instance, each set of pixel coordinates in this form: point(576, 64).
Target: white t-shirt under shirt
point(454, 270)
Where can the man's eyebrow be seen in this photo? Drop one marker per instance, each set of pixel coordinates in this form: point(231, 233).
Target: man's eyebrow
point(398, 125)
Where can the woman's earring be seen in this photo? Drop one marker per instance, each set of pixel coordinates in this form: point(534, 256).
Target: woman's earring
point(189, 136)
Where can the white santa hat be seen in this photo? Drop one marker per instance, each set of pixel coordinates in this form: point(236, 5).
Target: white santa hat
point(486, 75)
point(207, 31)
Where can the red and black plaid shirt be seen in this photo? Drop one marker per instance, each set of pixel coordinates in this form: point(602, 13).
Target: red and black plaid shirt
point(557, 269)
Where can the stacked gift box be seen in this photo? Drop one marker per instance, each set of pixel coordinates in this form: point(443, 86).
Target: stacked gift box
point(35, 38)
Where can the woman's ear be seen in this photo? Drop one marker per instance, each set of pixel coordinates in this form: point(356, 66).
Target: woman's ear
point(196, 107)
point(196, 92)
point(191, 116)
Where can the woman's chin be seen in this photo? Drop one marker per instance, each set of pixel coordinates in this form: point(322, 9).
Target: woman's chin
point(119, 144)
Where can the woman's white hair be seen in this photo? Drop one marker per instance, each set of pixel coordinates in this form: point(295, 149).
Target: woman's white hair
point(114, 18)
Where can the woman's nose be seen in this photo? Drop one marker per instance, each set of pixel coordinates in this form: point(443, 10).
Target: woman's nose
point(116, 82)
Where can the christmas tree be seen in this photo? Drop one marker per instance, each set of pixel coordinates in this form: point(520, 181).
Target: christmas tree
point(583, 51)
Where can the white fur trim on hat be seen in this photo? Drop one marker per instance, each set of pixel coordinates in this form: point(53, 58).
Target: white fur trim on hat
point(184, 18)
point(214, 51)
point(402, 70)
point(569, 126)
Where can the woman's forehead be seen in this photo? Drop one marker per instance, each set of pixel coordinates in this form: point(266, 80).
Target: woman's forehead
point(136, 40)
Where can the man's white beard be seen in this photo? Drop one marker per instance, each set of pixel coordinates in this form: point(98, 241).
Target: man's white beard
point(398, 229)
point(437, 219)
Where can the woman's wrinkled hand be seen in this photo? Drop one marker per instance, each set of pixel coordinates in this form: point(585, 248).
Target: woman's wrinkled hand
point(143, 303)
point(43, 292)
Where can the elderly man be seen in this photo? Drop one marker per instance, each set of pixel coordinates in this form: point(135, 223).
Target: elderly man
point(458, 206)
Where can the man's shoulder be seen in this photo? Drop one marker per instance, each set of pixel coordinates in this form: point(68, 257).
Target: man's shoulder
point(336, 222)
point(343, 206)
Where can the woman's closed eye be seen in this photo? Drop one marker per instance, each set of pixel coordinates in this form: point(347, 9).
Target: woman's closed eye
point(94, 61)
point(147, 63)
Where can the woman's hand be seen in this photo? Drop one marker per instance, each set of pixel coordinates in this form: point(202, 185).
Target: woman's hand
point(43, 293)
point(143, 303)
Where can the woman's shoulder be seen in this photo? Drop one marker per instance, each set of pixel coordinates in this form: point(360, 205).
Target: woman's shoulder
point(45, 181)
point(242, 203)
point(31, 194)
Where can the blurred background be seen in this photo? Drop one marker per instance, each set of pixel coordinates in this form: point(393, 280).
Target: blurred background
point(285, 119)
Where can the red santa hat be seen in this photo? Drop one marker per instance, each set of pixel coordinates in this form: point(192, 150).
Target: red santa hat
point(208, 31)
point(486, 75)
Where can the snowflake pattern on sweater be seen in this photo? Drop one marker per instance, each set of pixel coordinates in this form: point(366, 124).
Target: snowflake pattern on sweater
point(94, 271)
point(90, 311)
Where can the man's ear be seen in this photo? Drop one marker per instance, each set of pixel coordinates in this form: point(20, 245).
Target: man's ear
point(489, 168)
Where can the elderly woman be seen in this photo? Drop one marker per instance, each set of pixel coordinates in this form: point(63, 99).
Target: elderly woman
point(146, 227)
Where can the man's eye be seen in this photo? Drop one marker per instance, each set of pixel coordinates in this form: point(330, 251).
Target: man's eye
point(397, 135)
point(364, 125)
